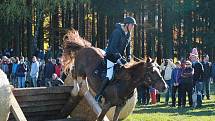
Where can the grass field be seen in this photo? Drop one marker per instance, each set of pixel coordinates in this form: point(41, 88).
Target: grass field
point(161, 112)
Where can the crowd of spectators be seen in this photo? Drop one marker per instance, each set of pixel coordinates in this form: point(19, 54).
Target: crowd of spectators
point(184, 78)
point(40, 70)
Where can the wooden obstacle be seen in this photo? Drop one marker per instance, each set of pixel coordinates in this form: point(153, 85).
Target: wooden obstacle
point(89, 109)
point(46, 104)
point(42, 103)
point(16, 110)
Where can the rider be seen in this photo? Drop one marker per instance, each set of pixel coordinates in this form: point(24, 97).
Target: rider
point(119, 42)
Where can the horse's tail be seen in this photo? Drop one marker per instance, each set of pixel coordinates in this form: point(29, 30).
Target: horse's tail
point(72, 43)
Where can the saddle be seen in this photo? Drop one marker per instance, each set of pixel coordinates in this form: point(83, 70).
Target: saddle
point(101, 70)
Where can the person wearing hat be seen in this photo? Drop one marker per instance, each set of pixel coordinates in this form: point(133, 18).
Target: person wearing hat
point(119, 42)
point(198, 75)
point(187, 83)
point(207, 75)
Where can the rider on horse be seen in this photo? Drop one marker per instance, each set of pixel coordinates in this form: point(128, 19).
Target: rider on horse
point(119, 42)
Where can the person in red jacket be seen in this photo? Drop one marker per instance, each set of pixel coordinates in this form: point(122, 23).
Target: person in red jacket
point(58, 67)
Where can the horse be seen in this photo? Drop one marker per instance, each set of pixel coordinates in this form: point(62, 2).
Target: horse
point(85, 60)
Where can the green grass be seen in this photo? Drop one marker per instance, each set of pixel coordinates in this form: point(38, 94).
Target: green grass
point(161, 112)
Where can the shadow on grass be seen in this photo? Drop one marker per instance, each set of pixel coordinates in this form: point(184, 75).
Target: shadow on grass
point(206, 110)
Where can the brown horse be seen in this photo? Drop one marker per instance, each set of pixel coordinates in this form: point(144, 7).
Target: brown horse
point(86, 60)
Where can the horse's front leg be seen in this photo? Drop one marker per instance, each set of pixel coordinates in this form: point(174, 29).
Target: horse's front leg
point(105, 109)
point(76, 88)
point(116, 114)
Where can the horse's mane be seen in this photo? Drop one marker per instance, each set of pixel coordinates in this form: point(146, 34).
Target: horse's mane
point(72, 42)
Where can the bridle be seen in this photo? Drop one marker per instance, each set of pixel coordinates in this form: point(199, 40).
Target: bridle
point(148, 73)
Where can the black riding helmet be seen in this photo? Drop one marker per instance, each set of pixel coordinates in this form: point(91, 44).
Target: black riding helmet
point(130, 20)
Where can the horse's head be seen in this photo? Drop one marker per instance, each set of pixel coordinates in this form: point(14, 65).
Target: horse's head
point(153, 76)
point(141, 72)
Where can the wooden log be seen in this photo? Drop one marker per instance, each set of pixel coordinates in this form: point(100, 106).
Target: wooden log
point(39, 113)
point(88, 104)
point(70, 105)
point(94, 105)
point(16, 110)
point(43, 108)
point(41, 90)
point(41, 103)
point(43, 118)
point(42, 97)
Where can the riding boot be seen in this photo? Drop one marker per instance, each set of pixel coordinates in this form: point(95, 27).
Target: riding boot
point(101, 89)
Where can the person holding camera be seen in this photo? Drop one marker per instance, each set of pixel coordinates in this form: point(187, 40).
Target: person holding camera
point(166, 71)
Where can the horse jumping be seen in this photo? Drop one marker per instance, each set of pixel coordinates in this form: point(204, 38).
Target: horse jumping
point(78, 52)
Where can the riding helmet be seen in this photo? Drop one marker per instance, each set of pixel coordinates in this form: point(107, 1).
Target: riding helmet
point(130, 20)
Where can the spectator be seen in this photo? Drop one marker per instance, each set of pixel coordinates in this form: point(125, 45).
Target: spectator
point(28, 78)
point(4, 65)
point(41, 80)
point(34, 71)
point(207, 75)
point(58, 67)
point(176, 79)
point(198, 75)
point(166, 69)
point(21, 73)
point(13, 74)
point(140, 94)
point(11, 52)
point(10, 64)
point(56, 81)
point(49, 69)
point(187, 83)
point(41, 54)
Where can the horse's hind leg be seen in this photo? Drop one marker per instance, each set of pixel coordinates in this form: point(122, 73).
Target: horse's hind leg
point(105, 109)
point(116, 114)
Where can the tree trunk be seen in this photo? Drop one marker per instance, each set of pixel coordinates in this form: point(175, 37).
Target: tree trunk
point(81, 19)
point(93, 26)
point(29, 30)
point(75, 15)
point(167, 31)
point(101, 31)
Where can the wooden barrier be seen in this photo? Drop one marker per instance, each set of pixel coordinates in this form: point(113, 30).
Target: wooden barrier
point(47, 103)
point(42, 103)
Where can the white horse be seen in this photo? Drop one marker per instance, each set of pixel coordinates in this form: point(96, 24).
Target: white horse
point(5, 97)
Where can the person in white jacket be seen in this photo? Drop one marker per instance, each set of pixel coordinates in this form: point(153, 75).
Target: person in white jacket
point(166, 70)
point(34, 71)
